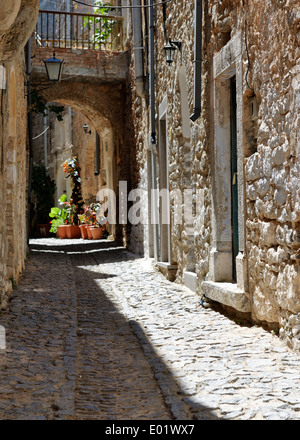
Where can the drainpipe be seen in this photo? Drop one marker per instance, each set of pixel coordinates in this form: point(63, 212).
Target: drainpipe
point(46, 143)
point(197, 60)
point(97, 155)
point(153, 130)
point(138, 48)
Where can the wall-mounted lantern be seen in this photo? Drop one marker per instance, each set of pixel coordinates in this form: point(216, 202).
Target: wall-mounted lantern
point(86, 129)
point(170, 49)
point(53, 68)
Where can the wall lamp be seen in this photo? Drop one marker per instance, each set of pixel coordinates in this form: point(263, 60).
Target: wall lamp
point(170, 49)
point(85, 128)
point(53, 68)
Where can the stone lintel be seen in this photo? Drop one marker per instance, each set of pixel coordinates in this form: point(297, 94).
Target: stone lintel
point(228, 294)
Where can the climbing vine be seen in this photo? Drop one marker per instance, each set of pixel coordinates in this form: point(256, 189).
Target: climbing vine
point(39, 106)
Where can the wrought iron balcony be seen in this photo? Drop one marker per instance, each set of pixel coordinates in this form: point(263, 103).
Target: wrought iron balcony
point(57, 29)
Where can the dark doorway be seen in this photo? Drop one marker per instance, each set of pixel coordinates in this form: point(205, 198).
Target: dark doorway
point(234, 175)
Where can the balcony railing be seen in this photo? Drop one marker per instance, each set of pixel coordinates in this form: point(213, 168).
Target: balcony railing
point(79, 31)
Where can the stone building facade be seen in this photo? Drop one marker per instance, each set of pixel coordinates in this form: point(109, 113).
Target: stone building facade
point(16, 25)
point(238, 162)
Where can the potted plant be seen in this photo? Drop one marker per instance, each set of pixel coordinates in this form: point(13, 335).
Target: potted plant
point(60, 217)
point(83, 226)
point(99, 227)
point(44, 188)
point(91, 218)
point(73, 230)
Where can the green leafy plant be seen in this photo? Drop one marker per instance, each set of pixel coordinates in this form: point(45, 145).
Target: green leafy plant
point(59, 215)
point(100, 25)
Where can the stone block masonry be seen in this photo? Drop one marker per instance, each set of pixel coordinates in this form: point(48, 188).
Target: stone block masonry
point(13, 178)
point(257, 44)
point(94, 65)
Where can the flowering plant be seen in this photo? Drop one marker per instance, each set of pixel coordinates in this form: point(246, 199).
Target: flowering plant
point(71, 169)
point(71, 209)
point(90, 214)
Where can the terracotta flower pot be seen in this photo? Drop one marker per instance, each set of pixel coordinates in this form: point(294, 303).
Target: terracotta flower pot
point(62, 231)
point(83, 230)
point(97, 233)
point(89, 232)
point(73, 231)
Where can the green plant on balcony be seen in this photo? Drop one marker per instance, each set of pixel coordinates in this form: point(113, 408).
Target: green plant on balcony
point(101, 26)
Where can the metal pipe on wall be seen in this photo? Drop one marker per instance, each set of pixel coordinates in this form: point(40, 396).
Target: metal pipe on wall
point(46, 143)
point(197, 60)
point(97, 155)
point(138, 48)
point(153, 128)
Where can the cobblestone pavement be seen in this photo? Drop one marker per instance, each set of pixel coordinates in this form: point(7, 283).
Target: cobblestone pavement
point(95, 332)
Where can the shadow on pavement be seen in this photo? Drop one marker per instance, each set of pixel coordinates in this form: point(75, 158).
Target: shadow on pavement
point(181, 405)
point(104, 249)
point(111, 369)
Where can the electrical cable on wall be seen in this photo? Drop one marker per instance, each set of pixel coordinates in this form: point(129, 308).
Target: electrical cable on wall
point(121, 7)
point(113, 7)
point(41, 134)
point(247, 51)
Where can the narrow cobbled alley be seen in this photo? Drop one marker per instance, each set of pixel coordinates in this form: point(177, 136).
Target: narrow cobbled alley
point(95, 332)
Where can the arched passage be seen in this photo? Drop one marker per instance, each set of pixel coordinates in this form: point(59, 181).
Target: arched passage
point(101, 108)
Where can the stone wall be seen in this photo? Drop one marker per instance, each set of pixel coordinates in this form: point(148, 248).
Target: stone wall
point(259, 44)
point(13, 178)
point(17, 21)
point(272, 171)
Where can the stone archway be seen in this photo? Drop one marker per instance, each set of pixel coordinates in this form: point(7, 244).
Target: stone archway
point(96, 101)
point(102, 106)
